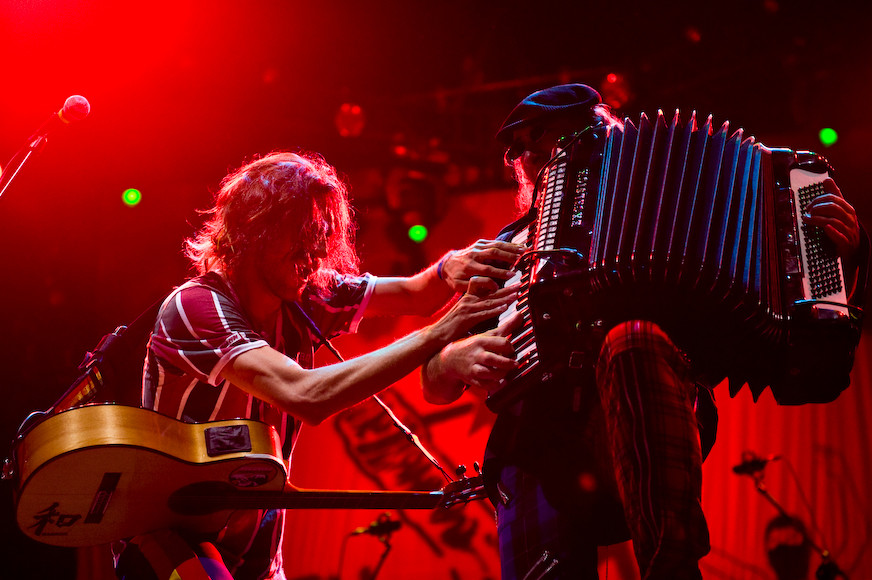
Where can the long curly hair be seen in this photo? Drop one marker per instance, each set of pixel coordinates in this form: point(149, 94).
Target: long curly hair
point(278, 195)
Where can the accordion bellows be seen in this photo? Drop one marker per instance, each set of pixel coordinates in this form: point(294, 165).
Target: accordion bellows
point(699, 230)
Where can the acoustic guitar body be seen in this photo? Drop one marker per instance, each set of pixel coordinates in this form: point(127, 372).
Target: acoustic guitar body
point(95, 474)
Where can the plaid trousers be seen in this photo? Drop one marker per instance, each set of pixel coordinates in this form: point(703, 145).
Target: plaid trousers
point(646, 398)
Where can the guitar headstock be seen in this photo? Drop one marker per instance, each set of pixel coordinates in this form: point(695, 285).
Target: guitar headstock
point(463, 490)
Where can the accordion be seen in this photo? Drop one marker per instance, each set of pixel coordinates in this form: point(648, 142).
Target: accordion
point(700, 231)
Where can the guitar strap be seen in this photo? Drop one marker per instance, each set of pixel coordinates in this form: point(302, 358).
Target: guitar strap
point(112, 372)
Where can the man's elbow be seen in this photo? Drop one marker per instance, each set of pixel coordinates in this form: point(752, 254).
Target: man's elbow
point(311, 413)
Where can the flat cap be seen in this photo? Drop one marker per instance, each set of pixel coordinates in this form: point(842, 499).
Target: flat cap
point(552, 103)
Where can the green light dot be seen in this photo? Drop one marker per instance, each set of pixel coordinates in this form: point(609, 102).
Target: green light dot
point(418, 233)
point(828, 136)
point(131, 196)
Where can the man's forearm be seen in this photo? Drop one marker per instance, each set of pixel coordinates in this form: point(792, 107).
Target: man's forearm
point(421, 295)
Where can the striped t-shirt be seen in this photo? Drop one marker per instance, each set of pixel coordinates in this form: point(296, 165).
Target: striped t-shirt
point(201, 327)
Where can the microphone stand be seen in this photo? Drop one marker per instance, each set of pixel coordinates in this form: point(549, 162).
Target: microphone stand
point(386, 540)
point(410, 436)
point(828, 570)
point(33, 145)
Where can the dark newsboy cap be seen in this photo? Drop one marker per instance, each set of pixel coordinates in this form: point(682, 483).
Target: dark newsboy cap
point(555, 102)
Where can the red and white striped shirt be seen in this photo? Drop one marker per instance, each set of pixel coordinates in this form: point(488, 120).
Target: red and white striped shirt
point(201, 327)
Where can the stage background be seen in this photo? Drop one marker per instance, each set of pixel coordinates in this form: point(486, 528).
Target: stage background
point(404, 98)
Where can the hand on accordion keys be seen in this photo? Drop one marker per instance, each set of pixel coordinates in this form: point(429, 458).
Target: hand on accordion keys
point(838, 219)
point(489, 258)
point(482, 360)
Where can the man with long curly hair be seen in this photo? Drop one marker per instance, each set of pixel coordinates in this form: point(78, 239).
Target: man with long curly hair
point(277, 271)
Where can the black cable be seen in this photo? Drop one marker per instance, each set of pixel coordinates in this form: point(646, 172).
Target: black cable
point(410, 436)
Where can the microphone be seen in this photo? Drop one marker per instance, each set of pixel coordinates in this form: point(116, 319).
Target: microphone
point(752, 464)
point(75, 109)
point(383, 526)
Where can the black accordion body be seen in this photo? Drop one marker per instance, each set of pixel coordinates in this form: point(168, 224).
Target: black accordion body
point(699, 231)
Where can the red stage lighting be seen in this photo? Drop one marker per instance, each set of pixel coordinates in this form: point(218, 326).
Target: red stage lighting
point(615, 90)
point(350, 120)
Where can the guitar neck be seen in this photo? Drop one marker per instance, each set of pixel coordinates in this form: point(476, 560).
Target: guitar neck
point(210, 497)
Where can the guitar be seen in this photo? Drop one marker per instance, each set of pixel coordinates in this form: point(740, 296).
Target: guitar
point(95, 474)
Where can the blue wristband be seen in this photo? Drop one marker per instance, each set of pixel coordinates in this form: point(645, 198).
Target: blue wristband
point(442, 263)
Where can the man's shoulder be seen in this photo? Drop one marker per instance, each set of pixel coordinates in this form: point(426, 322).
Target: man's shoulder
point(202, 294)
point(207, 284)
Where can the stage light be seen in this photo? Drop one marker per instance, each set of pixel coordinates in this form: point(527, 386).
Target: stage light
point(418, 233)
point(693, 34)
point(415, 200)
point(615, 90)
point(349, 120)
point(771, 6)
point(828, 136)
point(131, 197)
